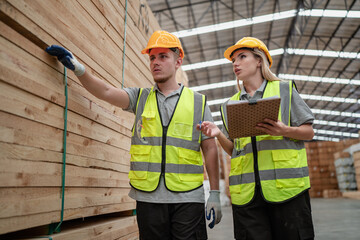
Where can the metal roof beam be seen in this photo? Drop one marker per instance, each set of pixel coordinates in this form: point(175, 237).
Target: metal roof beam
point(289, 35)
point(180, 6)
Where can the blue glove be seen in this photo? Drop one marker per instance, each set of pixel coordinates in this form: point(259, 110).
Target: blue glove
point(213, 208)
point(66, 58)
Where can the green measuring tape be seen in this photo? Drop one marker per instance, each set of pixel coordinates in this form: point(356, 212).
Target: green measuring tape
point(57, 228)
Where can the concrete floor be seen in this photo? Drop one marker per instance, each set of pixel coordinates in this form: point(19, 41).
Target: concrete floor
point(334, 219)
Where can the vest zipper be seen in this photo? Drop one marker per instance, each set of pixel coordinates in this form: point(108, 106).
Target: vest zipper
point(255, 153)
point(256, 164)
point(163, 151)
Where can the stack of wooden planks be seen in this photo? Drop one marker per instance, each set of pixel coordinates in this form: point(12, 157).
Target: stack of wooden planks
point(32, 109)
point(322, 171)
point(356, 158)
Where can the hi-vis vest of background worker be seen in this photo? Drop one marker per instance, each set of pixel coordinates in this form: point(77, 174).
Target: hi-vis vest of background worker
point(281, 161)
point(173, 150)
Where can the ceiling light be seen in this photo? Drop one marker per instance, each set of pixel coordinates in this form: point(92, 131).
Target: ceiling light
point(214, 85)
point(303, 96)
point(266, 18)
point(322, 138)
point(323, 53)
point(235, 24)
point(211, 63)
point(282, 76)
point(319, 79)
point(295, 51)
point(329, 13)
point(336, 113)
point(337, 124)
point(329, 99)
point(336, 133)
point(217, 101)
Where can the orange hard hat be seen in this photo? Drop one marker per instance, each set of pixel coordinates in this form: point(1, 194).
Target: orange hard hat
point(163, 39)
point(248, 42)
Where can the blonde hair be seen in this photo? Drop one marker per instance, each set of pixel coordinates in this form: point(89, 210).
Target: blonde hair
point(265, 69)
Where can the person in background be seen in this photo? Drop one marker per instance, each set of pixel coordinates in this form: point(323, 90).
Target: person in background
point(166, 168)
point(269, 179)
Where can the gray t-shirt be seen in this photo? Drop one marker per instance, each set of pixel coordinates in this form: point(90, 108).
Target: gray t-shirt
point(166, 107)
point(300, 112)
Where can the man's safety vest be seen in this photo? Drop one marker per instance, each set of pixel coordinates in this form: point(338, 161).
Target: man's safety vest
point(173, 150)
point(280, 162)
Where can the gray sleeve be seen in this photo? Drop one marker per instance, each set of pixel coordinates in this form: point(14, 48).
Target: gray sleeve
point(223, 128)
point(300, 112)
point(133, 96)
point(207, 117)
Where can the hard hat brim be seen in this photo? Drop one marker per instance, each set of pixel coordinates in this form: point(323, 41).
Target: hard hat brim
point(147, 49)
point(230, 50)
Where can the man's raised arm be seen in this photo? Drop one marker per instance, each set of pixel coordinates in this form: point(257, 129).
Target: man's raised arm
point(93, 84)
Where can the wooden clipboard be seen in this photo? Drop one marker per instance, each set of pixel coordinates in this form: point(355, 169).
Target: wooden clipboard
point(243, 116)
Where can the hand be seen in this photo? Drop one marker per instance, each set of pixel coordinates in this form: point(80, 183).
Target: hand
point(273, 128)
point(213, 206)
point(66, 58)
point(209, 129)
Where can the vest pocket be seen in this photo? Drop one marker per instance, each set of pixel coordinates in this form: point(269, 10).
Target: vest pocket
point(288, 169)
point(149, 123)
point(140, 156)
point(189, 163)
point(183, 130)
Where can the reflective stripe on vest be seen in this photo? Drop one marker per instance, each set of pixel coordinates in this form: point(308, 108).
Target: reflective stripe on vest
point(172, 150)
point(283, 167)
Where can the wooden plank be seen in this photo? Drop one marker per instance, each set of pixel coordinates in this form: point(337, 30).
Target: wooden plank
point(23, 222)
point(28, 78)
point(131, 236)
point(113, 23)
point(22, 173)
point(352, 194)
point(18, 152)
point(134, 9)
point(100, 229)
point(27, 105)
point(83, 32)
point(143, 19)
point(13, 17)
point(28, 201)
point(21, 131)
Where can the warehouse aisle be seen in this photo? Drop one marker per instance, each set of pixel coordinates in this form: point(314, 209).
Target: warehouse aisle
point(334, 219)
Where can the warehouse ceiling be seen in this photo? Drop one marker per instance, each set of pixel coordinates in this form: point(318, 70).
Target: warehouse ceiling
point(318, 49)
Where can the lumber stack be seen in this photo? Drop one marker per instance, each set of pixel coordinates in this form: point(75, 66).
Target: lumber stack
point(33, 101)
point(332, 193)
point(345, 171)
point(356, 159)
point(322, 171)
point(352, 195)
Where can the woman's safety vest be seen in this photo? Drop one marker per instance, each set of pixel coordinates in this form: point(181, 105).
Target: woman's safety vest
point(281, 162)
point(173, 150)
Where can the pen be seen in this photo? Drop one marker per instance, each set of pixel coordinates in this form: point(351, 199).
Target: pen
point(200, 124)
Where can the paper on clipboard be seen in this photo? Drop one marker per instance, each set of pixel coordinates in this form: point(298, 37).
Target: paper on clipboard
point(243, 116)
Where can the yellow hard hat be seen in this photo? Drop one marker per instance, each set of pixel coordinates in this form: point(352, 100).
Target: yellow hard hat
point(163, 39)
point(248, 42)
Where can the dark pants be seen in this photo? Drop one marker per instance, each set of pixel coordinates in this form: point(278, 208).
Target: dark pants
point(180, 221)
point(261, 220)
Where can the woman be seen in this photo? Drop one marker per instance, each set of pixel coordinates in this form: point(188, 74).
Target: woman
point(269, 178)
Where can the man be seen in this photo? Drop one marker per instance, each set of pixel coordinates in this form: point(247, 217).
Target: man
point(166, 171)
